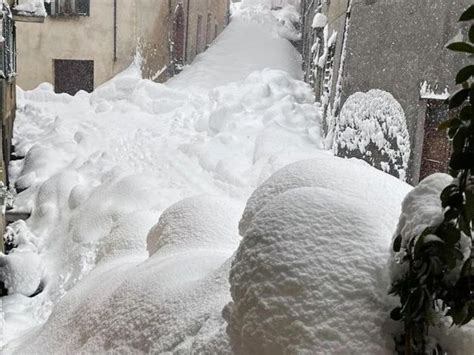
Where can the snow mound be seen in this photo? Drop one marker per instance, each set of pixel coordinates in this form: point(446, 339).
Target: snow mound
point(196, 221)
point(289, 20)
point(319, 20)
point(372, 126)
point(351, 177)
point(310, 272)
point(21, 272)
point(170, 302)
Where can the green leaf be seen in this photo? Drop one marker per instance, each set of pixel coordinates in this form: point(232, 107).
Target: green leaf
point(458, 98)
point(469, 205)
point(397, 244)
point(466, 114)
point(451, 196)
point(451, 234)
point(462, 161)
point(464, 74)
point(396, 314)
point(459, 140)
point(468, 15)
point(451, 213)
point(461, 47)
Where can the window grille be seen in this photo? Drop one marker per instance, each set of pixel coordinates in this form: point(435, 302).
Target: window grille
point(68, 8)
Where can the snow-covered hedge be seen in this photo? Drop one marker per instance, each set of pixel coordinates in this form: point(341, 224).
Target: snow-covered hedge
point(421, 209)
point(372, 126)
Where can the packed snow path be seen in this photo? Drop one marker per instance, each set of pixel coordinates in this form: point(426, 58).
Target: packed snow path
point(101, 168)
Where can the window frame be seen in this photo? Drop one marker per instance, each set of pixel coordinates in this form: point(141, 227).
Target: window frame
point(54, 5)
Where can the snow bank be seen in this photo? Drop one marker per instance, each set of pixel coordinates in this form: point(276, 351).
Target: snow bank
point(351, 177)
point(372, 126)
point(100, 169)
point(319, 21)
point(310, 271)
point(421, 209)
point(170, 302)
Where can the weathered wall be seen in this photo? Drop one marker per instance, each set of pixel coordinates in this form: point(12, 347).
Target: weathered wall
point(142, 25)
point(198, 41)
point(153, 22)
point(87, 38)
point(394, 45)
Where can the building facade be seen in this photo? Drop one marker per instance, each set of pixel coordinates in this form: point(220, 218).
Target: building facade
point(8, 68)
point(393, 45)
point(84, 43)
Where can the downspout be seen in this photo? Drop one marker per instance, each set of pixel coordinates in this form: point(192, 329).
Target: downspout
point(115, 30)
point(187, 33)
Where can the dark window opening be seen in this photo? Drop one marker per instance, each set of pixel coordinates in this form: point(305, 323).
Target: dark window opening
point(68, 8)
point(71, 76)
point(7, 46)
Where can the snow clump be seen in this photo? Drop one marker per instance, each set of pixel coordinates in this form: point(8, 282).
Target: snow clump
point(372, 126)
point(310, 271)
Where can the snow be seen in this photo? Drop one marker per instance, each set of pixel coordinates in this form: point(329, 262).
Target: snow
point(289, 19)
point(169, 302)
point(100, 169)
point(31, 8)
point(421, 209)
point(373, 124)
point(319, 20)
point(426, 92)
point(137, 195)
point(310, 271)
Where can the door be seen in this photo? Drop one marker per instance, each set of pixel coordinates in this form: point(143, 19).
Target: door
point(70, 76)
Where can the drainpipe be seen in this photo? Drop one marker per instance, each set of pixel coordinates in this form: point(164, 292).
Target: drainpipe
point(187, 32)
point(115, 30)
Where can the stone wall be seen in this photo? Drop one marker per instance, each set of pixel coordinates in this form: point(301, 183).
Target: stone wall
point(392, 45)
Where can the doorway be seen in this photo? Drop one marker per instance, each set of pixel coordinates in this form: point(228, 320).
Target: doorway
point(71, 76)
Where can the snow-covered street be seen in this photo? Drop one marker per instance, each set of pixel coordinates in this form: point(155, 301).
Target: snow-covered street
point(201, 216)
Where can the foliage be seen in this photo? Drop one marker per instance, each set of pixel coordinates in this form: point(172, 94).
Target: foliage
point(426, 293)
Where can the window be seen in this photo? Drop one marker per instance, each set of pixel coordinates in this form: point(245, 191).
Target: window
point(68, 8)
point(7, 46)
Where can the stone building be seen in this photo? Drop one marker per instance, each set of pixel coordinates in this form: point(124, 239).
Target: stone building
point(397, 46)
point(8, 66)
point(84, 43)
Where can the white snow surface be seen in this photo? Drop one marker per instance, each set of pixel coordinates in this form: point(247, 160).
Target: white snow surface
point(101, 168)
point(309, 275)
point(136, 192)
point(319, 21)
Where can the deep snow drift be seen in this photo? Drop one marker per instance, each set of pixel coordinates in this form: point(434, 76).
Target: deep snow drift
point(136, 192)
point(101, 168)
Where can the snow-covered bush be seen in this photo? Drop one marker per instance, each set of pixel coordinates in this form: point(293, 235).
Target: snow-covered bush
point(422, 209)
point(436, 255)
point(308, 275)
point(21, 272)
point(372, 126)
